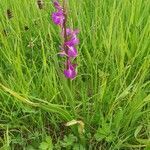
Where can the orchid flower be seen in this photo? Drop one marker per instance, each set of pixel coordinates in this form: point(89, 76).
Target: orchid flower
point(58, 17)
point(57, 5)
point(70, 72)
point(71, 53)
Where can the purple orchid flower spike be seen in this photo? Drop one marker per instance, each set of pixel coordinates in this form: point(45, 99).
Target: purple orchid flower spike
point(71, 71)
point(70, 40)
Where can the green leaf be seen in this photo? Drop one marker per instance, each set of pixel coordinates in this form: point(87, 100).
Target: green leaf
point(47, 144)
point(49, 140)
point(140, 140)
point(78, 147)
point(30, 147)
point(99, 137)
point(104, 133)
point(44, 146)
point(69, 140)
point(137, 131)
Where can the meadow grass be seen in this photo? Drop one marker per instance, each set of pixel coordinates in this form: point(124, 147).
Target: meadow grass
point(109, 100)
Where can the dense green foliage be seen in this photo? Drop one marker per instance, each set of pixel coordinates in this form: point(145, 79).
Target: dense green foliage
point(111, 94)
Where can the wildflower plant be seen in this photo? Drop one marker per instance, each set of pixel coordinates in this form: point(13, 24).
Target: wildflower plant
point(70, 40)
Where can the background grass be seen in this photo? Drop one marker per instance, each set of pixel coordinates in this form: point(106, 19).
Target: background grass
point(111, 94)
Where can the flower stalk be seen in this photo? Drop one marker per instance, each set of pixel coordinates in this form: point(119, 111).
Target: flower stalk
point(64, 29)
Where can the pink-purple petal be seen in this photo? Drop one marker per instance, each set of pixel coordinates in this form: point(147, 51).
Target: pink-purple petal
point(73, 41)
point(57, 5)
point(72, 52)
point(70, 72)
point(58, 18)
